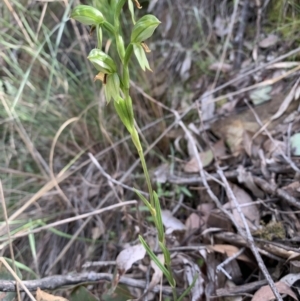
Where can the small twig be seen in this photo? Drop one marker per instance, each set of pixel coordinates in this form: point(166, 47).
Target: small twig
point(98, 264)
point(220, 267)
point(58, 281)
point(241, 289)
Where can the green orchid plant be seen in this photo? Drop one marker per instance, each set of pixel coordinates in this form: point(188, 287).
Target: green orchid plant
point(116, 85)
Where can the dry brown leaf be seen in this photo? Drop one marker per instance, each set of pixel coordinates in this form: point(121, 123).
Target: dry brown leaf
point(43, 296)
point(221, 26)
point(230, 251)
point(219, 66)
point(297, 93)
point(290, 279)
point(161, 173)
point(265, 293)
point(246, 178)
point(278, 250)
point(194, 221)
point(192, 270)
point(191, 140)
point(283, 65)
point(156, 277)
point(207, 105)
point(293, 189)
point(234, 136)
point(219, 149)
point(247, 142)
point(177, 145)
point(206, 158)
point(284, 105)
point(274, 148)
point(171, 223)
point(250, 211)
point(217, 219)
point(186, 66)
point(230, 284)
point(205, 210)
point(250, 145)
point(128, 257)
point(159, 90)
point(293, 256)
point(269, 41)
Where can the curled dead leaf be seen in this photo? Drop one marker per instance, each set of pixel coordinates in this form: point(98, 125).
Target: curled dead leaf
point(191, 271)
point(286, 102)
point(248, 208)
point(128, 257)
point(269, 41)
point(265, 293)
point(43, 296)
point(194, 221)
point(171, 223)
point(156, 277)
point(206, 158)
point(230, 251)
point(219, 66)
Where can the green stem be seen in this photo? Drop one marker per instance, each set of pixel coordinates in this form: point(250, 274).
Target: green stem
point(174, 293)
point(117, 13)
point(110, 28)
point(99, 36)
point(126, 76)
point(128, 54)
point(136, 140)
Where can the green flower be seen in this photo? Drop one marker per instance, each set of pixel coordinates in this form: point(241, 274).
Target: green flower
point(124, 110)
point(144, 28)
point(141, 56)
point(112, 87)
point(102, 62)
point(87, 15)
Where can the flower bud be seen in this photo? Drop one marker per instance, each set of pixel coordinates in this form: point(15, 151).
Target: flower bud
point(87, 15)
point(102, 62)
point(144, 28)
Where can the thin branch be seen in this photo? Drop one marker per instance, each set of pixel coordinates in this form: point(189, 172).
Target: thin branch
point(241, 289)
point(57, 281)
